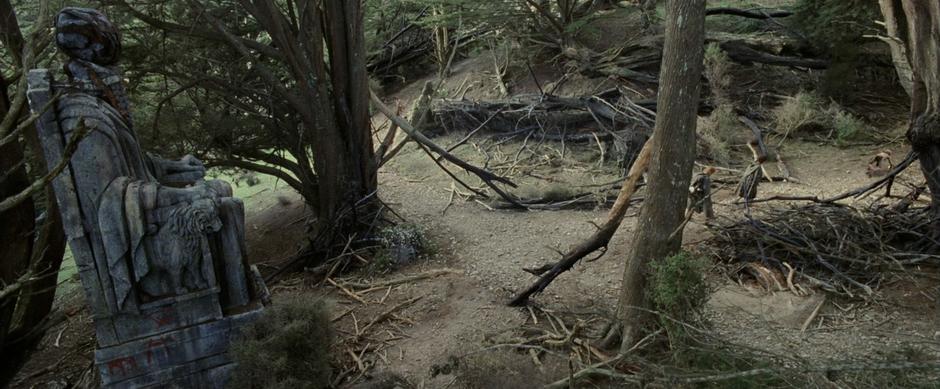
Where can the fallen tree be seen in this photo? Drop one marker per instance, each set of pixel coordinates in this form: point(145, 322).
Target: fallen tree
point(756, 13)
point(639, 60)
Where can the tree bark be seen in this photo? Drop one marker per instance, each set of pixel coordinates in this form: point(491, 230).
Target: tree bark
point(322, 53)
point(892, 11)
point(658, 233)
point(16, 228)
point(347, 151)
point(923, 46)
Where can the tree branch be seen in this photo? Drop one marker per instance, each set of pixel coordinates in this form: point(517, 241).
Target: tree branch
point(263, 169)
point(41, 183)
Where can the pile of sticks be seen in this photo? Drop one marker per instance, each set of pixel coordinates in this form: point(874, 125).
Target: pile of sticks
point(840, 248)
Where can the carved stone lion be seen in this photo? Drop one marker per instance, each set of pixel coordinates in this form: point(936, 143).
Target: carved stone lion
point(182, 250)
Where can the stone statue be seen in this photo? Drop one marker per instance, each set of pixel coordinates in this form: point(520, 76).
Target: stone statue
point(160, 250)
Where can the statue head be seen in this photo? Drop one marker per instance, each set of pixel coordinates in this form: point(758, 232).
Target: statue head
point(86, 34)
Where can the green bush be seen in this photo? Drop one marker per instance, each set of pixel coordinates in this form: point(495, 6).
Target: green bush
point(718, 73)
point(287, 348)
point(678, 291)
point(846, 125)
point(833, 23)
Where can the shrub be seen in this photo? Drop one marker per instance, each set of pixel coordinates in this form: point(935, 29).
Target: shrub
point(678, 291)
point(799, 112)
point(717, 133)
point(401, 244)
point(833, 23)
point(805, 112)
point(717, 70)
point(287, 348)
point(846, 125)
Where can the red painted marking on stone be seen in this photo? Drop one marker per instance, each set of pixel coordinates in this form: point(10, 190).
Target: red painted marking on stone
point(163, 318)
point(121, 365)
point(154, 343)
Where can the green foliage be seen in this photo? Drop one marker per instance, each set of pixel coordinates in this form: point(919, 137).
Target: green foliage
point(678, 291)
point(832, 23)
point(836, 29)
point(846, 125)
point(287, 348)
point(400, 245)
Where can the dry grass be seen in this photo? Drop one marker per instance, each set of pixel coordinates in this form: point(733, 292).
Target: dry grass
point(807, 113)
point(718, 72)
point(718, 132)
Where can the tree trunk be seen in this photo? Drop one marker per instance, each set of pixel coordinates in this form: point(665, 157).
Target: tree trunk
point(923, 46)
point(23, 247)
point(658, 233)
point(37, 298)
point(892, 13)
point(344, 158)
point(16, 228)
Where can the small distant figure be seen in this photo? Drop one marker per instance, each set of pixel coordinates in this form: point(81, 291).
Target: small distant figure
point(700, 193)
point(880, 165)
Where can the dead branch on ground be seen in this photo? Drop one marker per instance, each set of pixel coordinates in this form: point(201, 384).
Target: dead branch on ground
point(487, 177)
point(600, 239)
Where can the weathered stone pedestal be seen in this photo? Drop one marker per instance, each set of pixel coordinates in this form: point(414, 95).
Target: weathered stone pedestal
point(160, 251)
point(190, 357)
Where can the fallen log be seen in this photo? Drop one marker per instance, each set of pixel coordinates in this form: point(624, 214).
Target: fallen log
point(742, 53)
point(638, 60)
point(756, 13)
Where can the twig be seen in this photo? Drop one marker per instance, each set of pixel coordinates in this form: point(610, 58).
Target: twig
point(809, 320)
point(346, 291)
point(399, 281)
point(385, 315)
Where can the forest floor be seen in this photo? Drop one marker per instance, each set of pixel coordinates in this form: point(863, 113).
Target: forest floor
point(453, 329)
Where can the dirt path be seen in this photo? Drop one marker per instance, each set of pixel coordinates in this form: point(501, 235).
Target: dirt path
point(464, 312)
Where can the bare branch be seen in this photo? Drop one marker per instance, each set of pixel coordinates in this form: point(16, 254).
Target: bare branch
point(41, 183)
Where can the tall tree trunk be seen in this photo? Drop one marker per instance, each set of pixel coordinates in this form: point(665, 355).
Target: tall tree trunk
point(16, 228)
point(893, 15)
point(923, 46)
point(658, 233)
point(348, 148)
point(37, 298)
point(24, 246)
